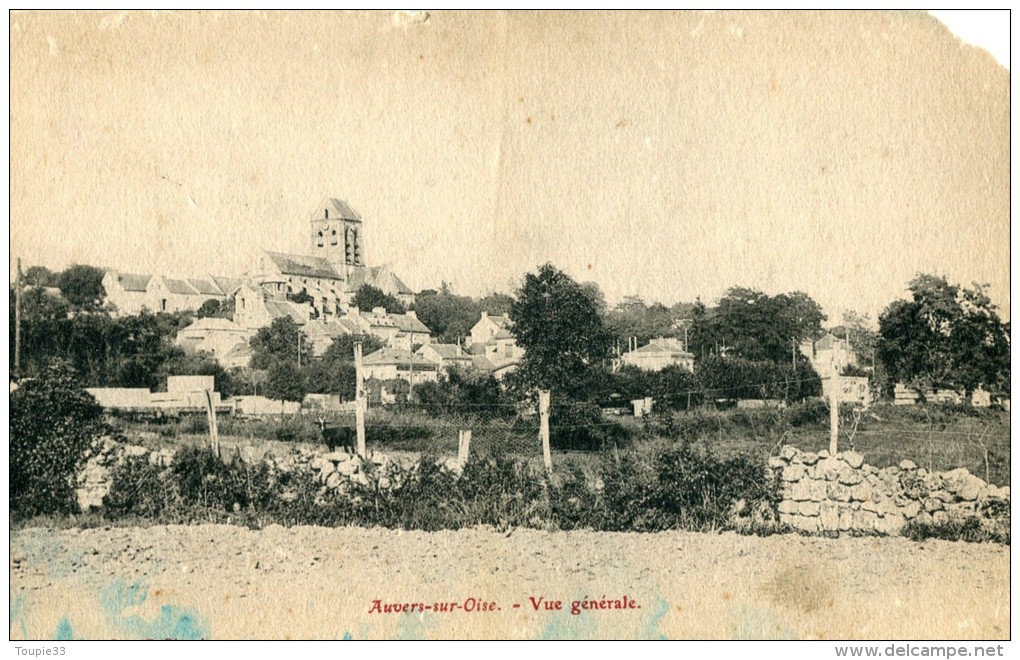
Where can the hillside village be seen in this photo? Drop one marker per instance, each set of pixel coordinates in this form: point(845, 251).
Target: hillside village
point(316, 293)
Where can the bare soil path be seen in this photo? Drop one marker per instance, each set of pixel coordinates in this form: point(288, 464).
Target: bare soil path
point(226, 582)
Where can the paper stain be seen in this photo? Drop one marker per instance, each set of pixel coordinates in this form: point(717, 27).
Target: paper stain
point(171, 622)
point(651, 629)
point(17, 615)
point(754, 623)
point(803, 588)
point(64, 631)
point(414, 626)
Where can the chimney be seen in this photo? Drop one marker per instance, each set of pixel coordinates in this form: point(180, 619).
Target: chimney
point(485, 315)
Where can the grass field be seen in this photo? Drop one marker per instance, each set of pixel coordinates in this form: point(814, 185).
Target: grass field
point(935, 437)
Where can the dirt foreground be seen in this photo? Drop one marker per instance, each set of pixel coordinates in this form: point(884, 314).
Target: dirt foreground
point(225, 582)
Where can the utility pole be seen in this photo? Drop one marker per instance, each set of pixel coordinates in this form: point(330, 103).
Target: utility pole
point(299, 349)
point(17, 321)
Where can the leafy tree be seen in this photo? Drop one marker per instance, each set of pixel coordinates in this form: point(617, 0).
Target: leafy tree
point(286, 382)
point(754, 326)
point(279, 343)
point(53, 425)
point(369, 297)
point(82, 286)
point(558, 325)
point(496, 303)
point(945, 335)
point(342, 348)
point(449, 316)
point(209, 308)
point(40, 276)
point(633, 318)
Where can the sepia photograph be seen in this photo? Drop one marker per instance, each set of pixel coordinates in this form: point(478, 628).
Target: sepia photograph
point(509, 325)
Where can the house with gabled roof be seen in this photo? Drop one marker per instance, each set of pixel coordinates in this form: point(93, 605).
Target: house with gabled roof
point(446, 356)
point(257, 307)
point(399, 364)
point(216, 336)
point(492, 338)
point(126, 291)
point(658, 354)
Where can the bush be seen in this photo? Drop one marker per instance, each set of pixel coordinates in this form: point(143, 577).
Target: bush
point(54, 423)
point(581, 426)
point(967, 529)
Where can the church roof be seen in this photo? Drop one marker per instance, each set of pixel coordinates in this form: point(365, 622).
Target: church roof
point(132, 282)
point(380, 277)
point(227, 285)
point(303, 266)
point(341, 209)
point(205, 287)
point(279, 309)
point(179, 286)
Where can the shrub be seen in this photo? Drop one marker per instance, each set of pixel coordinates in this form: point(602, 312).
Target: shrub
point(581, 426)
point(54, 423)
point(967, 529)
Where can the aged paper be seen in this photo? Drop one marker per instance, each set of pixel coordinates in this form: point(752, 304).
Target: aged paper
point(661, 154)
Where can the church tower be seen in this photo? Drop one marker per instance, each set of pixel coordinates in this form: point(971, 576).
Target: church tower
point(337, 234)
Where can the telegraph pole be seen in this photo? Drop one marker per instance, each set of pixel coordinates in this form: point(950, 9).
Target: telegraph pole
point(17, 321)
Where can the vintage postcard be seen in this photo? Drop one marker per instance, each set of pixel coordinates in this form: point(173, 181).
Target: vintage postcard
point(509, 325)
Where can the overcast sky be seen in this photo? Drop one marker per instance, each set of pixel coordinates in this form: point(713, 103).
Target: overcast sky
point(664, 155)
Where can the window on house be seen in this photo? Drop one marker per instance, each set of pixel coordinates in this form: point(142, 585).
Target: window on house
point(327, 214)
point(332, 239)
point(162, 305)
point(319, 242)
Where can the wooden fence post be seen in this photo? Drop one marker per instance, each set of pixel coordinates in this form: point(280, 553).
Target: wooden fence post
point(214, 434)
point(543, 412)
point(463, 446)
point(359, 399)
point(833, 410)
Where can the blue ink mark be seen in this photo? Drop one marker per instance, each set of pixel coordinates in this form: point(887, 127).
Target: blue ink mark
point(64, 631)
point(412, 626)
point(651, 629)
point(755, 623)
point(568, 626)
point(347, 636)
point(171, 623)
point(18, 615)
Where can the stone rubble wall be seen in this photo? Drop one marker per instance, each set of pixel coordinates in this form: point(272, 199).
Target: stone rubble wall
point(841, 493)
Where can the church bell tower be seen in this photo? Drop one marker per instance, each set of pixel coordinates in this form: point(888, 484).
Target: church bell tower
point(337, 234)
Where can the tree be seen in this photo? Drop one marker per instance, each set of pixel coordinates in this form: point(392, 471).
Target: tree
point(369, 297)
point(558, 325)
point(54, 423)
point(40, 276)
point(209, 308)
point(286, 382)
point(449, 316)
point(631, 317)
point(278, 343)
point(496, 303)
point(82, 286)
point(754, 326)
point(945, 336)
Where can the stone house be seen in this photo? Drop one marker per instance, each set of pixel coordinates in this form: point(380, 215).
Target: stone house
point(126, 291)
point(658, 354)
point(215, 336)
point(446, 356)
point(258, 307)
point(399, 364)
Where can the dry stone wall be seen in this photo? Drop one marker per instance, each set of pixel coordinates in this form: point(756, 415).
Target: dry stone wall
point(841, 493)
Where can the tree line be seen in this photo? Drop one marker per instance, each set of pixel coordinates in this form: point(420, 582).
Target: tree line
point(746, 345)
